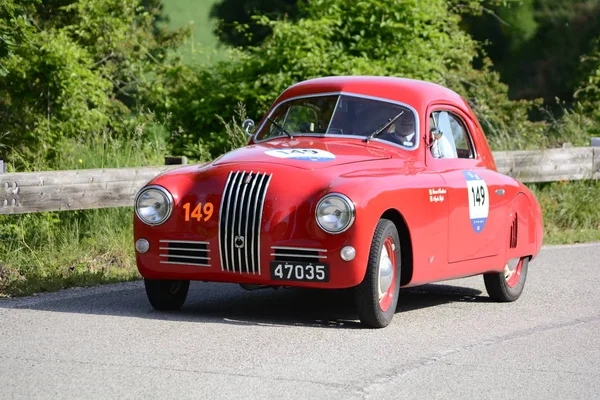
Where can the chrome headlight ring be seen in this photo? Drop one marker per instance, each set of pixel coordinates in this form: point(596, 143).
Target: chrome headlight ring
point(335, 213)
point(153, 205)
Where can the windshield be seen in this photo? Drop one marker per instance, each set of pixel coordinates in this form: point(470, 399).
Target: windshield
point(341, 115)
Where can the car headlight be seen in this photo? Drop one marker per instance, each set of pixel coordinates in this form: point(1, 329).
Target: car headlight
point(335, 213)
point(153, 205)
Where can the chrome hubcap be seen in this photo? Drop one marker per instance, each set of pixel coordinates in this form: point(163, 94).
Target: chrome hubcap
point(510, 269)
point(386, 272)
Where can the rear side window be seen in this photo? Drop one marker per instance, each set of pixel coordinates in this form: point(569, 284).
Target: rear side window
point(456, 140)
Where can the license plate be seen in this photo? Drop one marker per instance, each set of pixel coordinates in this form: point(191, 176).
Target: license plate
point(299, 271)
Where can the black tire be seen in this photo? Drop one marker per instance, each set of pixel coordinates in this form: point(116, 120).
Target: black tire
point(498, 288)
point(166, 294)
point(367, 298)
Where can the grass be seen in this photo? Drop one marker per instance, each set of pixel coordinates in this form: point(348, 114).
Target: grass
point(571, 211)
point(203, 44)
point(54, 250)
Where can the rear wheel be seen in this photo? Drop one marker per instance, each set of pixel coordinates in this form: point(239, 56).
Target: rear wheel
point(507, 285)
point(166, 294)
point(377, 295)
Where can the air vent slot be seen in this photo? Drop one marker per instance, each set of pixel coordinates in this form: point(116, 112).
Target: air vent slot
point(514, 232)
point(185, 252)
point(291, 254)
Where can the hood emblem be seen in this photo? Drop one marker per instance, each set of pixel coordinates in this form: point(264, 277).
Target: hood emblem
point(239, 242)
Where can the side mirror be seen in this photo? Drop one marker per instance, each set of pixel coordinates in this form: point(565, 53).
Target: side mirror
point(436, 134)
point(248, 126)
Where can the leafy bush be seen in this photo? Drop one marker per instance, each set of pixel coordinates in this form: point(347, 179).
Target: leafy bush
point(76, 69)
point(413, 39)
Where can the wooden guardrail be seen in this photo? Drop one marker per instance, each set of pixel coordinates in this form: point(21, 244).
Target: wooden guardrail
point(27, 192)
point(572, 163)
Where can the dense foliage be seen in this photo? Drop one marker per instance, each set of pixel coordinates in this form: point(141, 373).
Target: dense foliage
point(237, 25)
point(73, 69)
point(537, 45)
point(414, 39)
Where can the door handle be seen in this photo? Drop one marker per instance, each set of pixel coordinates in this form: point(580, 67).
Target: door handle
point(500, 192)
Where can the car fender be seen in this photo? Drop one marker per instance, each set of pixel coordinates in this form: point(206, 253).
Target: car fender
point(524, 229)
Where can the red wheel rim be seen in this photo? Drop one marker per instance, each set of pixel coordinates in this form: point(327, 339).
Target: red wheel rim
point(513, 276)
point(386, 298)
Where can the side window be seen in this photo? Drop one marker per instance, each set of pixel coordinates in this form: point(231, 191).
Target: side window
point(461, 136)
point(455, 141)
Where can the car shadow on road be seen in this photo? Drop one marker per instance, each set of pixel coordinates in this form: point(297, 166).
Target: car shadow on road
point(230, 304)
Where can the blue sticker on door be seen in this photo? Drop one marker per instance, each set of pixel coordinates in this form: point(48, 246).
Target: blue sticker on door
point(479, 200)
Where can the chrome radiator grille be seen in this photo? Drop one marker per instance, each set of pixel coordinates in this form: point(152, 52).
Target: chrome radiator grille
point(184, 252)
point(239, 221)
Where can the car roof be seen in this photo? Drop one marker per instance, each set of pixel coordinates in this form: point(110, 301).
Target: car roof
point(418, 94)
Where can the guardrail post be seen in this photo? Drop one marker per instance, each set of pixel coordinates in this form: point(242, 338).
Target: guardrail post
point(176, 160)
point(2, 167)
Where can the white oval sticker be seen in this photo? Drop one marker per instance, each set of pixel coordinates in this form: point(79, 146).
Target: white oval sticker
point(302, 154)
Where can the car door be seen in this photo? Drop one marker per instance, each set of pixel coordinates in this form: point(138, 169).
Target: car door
point(475, 194)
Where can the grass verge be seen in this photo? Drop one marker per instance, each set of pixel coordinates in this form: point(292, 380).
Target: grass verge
point(55, 250)
point(571, 211)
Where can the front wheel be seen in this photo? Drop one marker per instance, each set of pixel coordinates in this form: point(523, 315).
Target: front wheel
point(166, 294)
point(507, 285)
point(377, 295)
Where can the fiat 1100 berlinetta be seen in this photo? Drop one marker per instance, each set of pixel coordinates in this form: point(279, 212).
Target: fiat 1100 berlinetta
point(371, 183)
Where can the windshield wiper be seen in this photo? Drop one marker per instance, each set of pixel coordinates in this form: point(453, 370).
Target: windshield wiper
point(384, 126)
point(281, 128)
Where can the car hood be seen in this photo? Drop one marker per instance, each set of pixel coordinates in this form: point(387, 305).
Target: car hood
point(305, 153)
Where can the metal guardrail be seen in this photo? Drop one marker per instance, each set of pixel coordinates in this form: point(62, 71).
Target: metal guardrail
point(28, 192)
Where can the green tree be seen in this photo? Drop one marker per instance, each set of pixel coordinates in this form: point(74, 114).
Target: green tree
point(536, 45)
point(412, 38)
point(588, 93)
point(75, 69)
point(236, 24)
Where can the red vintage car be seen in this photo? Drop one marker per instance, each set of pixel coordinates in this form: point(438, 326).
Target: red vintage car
point(370, 183)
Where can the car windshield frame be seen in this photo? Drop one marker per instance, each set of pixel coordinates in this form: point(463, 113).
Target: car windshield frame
point(339, 95)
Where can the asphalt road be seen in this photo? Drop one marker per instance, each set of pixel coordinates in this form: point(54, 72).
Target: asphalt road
point(446, 341)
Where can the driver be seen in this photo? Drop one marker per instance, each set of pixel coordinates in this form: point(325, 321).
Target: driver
point(403, 130)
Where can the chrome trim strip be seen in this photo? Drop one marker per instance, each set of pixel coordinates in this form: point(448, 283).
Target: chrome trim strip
point(188, 264)
point(298, 248)
point(296, 255)
point(260, 179)
point(243, 209)
point(262, 205)
point(182, 248)
point(228, 208)
point(220, 220)
point(183, 241)
point(190, 257)
point(342, 93)
point(246, 231)
point(235, 204)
